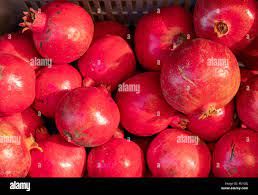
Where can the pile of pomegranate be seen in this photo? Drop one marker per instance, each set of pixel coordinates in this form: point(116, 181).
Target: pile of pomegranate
point(81, 99)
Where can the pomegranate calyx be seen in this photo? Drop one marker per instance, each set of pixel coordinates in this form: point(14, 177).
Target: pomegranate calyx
point(106, 88)
point(179, 121)
point(34, 20)
point(211, 111)
point(88, 82)
point(178, 40)
point(221, 29)
point(31, 143)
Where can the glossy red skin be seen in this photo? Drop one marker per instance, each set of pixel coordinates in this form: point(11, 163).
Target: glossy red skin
point(247, 103)
point(20, 45)
point(243, 162)
point(177, 159)
point(108, 61)
point(17, 84)
point(110, 27)
point(67, 34)
point(237, 14)
point(156, 32)
point(249, 56)
point(144, 113)
point(249, 38)
point(212, 127)
point(58, 159)
point(191, 73)
point(247, 74)
point(27, 122)
point(15, 158)
point(52, 84)
point(87, 116)
point(116, 158)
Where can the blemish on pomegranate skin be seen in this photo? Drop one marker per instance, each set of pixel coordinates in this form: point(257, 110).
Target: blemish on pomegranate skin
point(1, 72)
point(232, 152)
point(67, 135)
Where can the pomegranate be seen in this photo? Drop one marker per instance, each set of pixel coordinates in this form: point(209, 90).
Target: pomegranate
point(159, 33)
point(247, 103)
point(213, 126)
point(19, 45)
point(248, 39)
point(17, 84)
point(247, 74)
point(226, 22)
point(143, 109)
point(178, 153)
point(249, 56)
point(201, 76)
point(109, 61)
point(87, 116)
point(27, 122)
point(116, 158)
point(58, 159)
point(110, 27)
point(62, 31)
point(51, 84)
point(236, 154)
point(15, 159)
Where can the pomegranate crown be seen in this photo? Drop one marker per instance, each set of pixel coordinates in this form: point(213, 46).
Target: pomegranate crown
point(34, 20)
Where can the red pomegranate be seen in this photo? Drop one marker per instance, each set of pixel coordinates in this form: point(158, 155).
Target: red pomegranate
point(226, 22)
point(15, 159)
point(247, 103)
point(214, 126)
point(17, 85)
point(247, 74)
point(51, 84)
point(87, 116)
point(248, 39)
point(109, 61)
point(236, 154)
point(27, 122)
point(201, 76)
point(116, 158)
point(178, 153)
point(110, 27)
point(143, 109)
point(62, 31)
point(249, 56)
point(159, 33)
point(57, 159)
point(20, 45)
